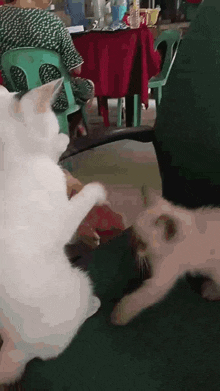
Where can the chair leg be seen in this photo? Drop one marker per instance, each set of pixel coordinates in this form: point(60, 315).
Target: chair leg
point(99, 107)
point(137, 110)
point(63, 123)
point(84, 117)
point(158, 96)
point(104, 109)
point(119, 113)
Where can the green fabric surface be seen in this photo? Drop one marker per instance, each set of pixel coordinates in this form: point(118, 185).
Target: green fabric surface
point(188, 123)
point(175, 345)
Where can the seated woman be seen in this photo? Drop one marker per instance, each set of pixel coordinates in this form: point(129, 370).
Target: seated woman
point(26, 23)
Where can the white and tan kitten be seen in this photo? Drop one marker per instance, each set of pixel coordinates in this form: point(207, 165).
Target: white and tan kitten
point(43, 299)
point(175, 241)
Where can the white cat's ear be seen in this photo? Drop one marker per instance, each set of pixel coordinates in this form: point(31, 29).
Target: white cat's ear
point(41, 98)
point(3, 90)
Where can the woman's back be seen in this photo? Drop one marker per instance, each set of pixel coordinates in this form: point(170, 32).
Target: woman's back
point(33, 27)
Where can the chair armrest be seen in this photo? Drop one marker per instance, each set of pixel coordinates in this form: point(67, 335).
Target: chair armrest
point(143, 134)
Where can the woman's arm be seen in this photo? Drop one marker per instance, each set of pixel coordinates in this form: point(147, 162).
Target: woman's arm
point(68, 52)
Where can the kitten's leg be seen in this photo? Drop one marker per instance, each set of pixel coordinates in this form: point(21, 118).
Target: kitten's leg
point(211, 287)
point(210, 290)
point(152, 291)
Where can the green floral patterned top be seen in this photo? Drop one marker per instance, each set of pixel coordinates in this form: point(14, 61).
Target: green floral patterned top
point(28, 27)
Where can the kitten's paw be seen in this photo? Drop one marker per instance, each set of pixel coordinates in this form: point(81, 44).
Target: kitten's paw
point(210, 290)
point(97, 191)
point(120, 315)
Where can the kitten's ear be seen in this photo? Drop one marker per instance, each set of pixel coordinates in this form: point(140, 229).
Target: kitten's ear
point(41, 98)
point(168, 226)
point(154, 196)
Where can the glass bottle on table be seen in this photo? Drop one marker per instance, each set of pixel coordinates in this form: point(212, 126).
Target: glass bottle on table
point(135, 15)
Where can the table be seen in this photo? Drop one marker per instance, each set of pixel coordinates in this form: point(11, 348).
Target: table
point(120, 63)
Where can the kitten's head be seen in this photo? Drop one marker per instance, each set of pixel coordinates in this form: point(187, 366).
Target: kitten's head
point(159, 229)
point(27, 123)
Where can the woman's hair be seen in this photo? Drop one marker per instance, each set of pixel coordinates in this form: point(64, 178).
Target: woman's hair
point(9, 1)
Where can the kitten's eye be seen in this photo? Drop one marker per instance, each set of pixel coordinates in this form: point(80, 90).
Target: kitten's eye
point(170, 228)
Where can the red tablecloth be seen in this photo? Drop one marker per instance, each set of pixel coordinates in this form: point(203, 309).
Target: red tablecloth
point(119, 63)
point(194, 1)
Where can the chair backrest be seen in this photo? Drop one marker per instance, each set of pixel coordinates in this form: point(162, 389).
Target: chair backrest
point(30, 60)
point(171, 39)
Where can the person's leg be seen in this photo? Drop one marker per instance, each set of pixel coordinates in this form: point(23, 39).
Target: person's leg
point(83, 90)
point(74, 120)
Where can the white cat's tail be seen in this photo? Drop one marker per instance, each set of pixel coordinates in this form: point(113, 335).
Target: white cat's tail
point(81, 204)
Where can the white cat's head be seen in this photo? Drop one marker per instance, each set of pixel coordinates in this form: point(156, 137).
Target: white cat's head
point(27, 123)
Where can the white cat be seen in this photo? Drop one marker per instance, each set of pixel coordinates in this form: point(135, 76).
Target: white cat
point(43, 299)
point(174, 241)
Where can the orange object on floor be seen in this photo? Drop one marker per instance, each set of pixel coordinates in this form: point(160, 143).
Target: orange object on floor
point(101, 221)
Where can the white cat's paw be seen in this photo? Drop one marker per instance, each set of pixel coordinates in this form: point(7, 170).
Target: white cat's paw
point(97, 191)
point(210, 290)
point(63, 141)
point(94, 306)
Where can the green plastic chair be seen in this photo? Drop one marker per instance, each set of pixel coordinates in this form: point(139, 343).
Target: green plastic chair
point(30, 60)
point(172, 40)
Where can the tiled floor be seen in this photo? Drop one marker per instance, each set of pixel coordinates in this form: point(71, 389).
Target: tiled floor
point(123, 167)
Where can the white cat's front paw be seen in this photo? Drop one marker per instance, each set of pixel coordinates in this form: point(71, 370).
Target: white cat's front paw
point(59, 146)
point(98, 192)
point(94, 306)
point(63, 141)
point(210, 290)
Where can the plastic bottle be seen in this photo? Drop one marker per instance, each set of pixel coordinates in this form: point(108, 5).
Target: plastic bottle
point(135, 15)
point(108, 15)
point(99, 11)
point(118, 10)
